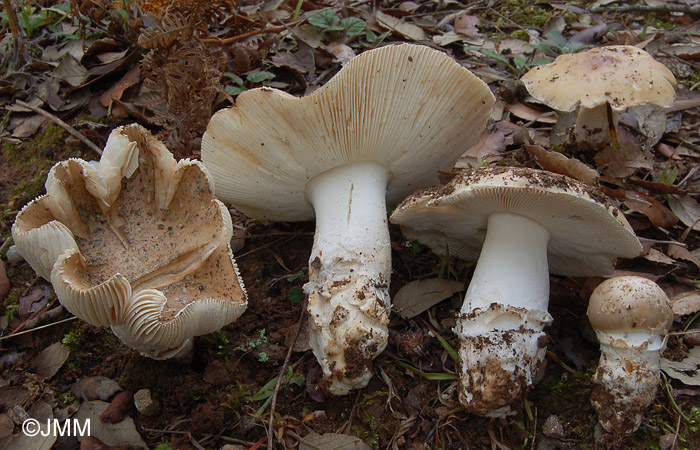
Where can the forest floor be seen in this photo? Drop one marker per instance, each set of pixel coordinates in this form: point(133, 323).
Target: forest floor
point(170, 65)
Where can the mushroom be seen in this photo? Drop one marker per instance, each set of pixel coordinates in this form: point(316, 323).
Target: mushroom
point(521, 224)
point(137, 243)
point(601, 82)
point(631, 317)
point(378, 130)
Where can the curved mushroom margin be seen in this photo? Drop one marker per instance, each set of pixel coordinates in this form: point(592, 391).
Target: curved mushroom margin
point(137, 243)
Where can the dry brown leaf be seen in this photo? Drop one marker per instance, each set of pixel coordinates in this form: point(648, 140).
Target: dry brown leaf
point(4, 281)
point(686, 303)
point(658, 214)
point(686, 371)
point(657, 256)
point(624, 161)
point(490, 142)
point(115, 92)
point(71, 71)
point(342, 52)
point(467, 25)
point(419, 295)
point(680, 252)
point(687, 210)
point(526, 112)
point(48, 362)
point(405, 29)
point(558, 163)
point(332, 441)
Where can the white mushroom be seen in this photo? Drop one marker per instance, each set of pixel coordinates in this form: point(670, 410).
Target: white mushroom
point(631, 317)
point(614, 77)
point(381, 128)
point(521, 224)
point(137, 243)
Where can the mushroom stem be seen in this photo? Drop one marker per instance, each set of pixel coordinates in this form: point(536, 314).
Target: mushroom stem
point(593, 125)
point(503, 315)
point(626, 378)
point(349, 273)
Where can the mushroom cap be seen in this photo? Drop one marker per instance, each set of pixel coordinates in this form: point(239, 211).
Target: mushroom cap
point(140, 222)
point(587, 232)
point(621, 75)
point(407, 107)
point(630, 303)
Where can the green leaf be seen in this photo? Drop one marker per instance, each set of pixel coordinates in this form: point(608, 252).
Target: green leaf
point(294, 276)
point(236, 79)
point(260, 76)
point(327, 20)
point(370, 36)
point(234, 90)
point(353, 26)
point(296, 295)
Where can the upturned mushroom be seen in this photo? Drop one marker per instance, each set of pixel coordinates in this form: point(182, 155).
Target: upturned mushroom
point(378, 130)
point(137, 243)
point(631, 317)
point(601, 82)
point(521, 224)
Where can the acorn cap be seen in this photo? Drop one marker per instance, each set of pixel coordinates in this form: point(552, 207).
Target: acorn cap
point(621, 75)
point(144, 244)
point(630, 303)
point(587, 232)
point(410, 108)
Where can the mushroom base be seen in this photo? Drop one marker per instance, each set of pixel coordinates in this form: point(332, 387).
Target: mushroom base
point(625, 385)
point(498, 367)
point(348, 329)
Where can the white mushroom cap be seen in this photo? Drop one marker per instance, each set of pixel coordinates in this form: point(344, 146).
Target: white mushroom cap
point(407, 107)
point(620, 75)
point(587, 232)
point(144, 245)
point(629, 304)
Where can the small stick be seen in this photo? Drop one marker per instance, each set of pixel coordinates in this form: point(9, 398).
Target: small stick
point(273, 404)
point(63, 125)
point(37, 328)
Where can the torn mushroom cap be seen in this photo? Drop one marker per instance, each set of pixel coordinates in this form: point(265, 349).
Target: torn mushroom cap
point(620, 75)
point(407, 107)
point(630, 303)
point(587, 232)
point(150, 255)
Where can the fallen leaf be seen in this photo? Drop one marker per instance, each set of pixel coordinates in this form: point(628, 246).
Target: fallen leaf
point(7, 426)
point(117, 90)
point(686, 303)
point(118, 408)
point(28, 126)
point(686, 209)
point(651, 122)
point(115, 434)
point(680, 252)
point(332, 441)
point(624, 161)
point(32, 303)
point(44, 439)
point(92, 388)
point(491, 142)
point(48, 362)
point(405, 29)
point(686, 371)
point(561, 164)
point(657, 256)
point(526, 112)
point(92, 443)
point(71, 71)
point(467, 25)
point(342, 52)
point(419, 295)
point(14, 395)
point(658, 214)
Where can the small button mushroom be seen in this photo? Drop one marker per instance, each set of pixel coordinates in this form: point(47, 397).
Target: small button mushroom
point(631, 317)
point(613, 77)
point(520, 224)
point(103, 235)
point(378, 130)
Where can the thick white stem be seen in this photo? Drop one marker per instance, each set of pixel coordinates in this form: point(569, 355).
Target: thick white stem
point(349, 273)
point(592, 125)
point(503, 315)
point(626, 379)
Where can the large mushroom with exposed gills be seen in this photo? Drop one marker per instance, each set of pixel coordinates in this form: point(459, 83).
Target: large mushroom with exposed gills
point(521, 224)
point(378, 130)
point(137, 243)
point(632, 317)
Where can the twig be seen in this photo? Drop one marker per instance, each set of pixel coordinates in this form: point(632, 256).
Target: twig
point(302, 440)
point(561, 363)
point(63, 125)
point(16, 30)
point(686, 9)
point(38, 328)
point(240, 37)
point(273, 404)
point(5, 245)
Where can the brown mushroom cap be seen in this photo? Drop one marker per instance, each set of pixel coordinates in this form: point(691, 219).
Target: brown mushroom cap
point(621, 75)
point(407, 107)
point(587, 232)
point(630, 303)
